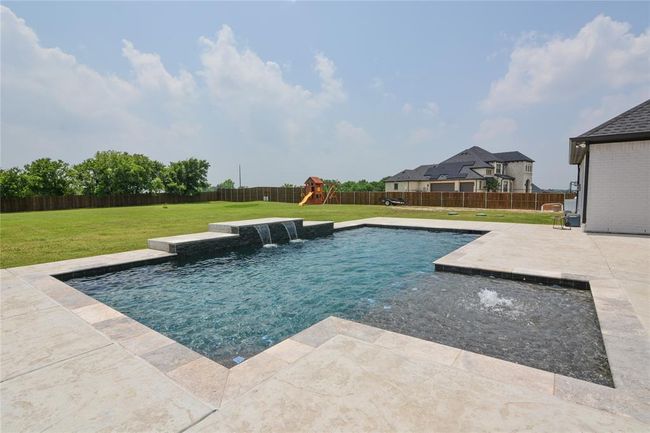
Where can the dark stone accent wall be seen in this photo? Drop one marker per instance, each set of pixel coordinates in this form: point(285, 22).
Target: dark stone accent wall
point(205, 247)
point(315, 231)
point(248, 236)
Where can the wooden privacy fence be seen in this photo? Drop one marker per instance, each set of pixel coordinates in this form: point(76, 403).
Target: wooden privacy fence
point(481, 200)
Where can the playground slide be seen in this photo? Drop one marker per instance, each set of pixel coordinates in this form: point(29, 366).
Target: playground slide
point(304, 200)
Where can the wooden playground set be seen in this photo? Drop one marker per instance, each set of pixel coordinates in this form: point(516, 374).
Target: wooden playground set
point(317, 192)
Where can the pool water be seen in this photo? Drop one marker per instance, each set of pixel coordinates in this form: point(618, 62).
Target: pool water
point(546, 327)
point(234, 305)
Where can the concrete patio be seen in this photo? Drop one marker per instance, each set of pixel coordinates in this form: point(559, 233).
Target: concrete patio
point(70, 363)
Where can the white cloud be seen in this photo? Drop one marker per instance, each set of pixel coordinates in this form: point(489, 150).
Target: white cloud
point(431, 109)
point(497, 128)
point(603, 55)
point(55, 106)
point(407, 108)
point(152, 75)
point(240, 80)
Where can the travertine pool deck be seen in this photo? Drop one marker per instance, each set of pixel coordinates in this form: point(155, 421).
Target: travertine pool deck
point(70, 363)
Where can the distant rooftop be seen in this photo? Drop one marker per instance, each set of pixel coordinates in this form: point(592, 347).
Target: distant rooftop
point(459, 166)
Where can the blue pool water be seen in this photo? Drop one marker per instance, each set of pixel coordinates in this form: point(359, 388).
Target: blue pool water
point(235, 305)
point(240, 303)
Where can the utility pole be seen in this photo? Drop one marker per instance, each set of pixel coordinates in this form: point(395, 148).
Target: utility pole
point(239, 175)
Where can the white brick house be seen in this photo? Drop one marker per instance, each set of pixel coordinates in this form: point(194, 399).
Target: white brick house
point(613, 162)
point(468, 171)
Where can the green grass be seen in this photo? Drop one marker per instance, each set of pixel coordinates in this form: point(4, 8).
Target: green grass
point(37, 237)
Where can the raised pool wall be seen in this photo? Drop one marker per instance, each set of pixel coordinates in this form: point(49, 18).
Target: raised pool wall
point(228, 235)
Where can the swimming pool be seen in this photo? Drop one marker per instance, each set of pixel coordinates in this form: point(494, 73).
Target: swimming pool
point(235, 304)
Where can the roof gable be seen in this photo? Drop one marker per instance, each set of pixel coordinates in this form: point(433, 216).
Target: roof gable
point(513, 156)
point(475, 154)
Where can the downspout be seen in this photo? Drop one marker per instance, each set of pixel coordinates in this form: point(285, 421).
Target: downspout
point(578, 191)
point(584, 203)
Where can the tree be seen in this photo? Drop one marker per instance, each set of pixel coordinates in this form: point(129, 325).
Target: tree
point(361, 185)
point(491, 184)
point(186, 177)
point(112, 172)
point(288, 185)
point(227, 184)
point(13, 183)
point(45, 176)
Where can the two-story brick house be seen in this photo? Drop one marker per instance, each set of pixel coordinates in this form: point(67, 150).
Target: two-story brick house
point(468, 171)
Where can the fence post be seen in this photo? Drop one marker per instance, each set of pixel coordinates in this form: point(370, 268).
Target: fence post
point(485, 206)
point(442, 202)
point(535, 201)
point(463, 195)
point(354, 197)
point(510, 200)
point(420, 198)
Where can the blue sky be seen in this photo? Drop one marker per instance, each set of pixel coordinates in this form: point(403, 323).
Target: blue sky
point(339, 90)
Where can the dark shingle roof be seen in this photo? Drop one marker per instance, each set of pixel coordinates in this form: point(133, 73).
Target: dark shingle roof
point(513, 156)
point(475, 154)
point(452, 170)
point(459, 166)
point(408, 175)
point(634, 121)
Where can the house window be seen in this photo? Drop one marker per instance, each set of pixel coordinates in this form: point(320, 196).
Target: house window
point(498, 168)
point(504, 186)
point(489, 171)
point(529, 168)
point(395, 186)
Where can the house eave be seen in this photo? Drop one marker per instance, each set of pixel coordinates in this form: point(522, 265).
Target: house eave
point(578, 145)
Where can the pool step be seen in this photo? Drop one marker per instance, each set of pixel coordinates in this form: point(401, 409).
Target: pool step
point(194, 242)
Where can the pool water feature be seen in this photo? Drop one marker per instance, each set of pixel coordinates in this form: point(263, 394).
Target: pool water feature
point(236, 304)
point(290, 227)
point(264, 232)
point(547, 327)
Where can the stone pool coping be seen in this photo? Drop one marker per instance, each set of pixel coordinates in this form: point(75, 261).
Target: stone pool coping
point(31, 293)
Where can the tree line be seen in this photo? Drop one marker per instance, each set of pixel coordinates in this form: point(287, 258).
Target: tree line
point(107, 173)
point(345, 186)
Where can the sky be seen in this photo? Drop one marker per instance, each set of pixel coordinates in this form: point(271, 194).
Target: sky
point(338, 90)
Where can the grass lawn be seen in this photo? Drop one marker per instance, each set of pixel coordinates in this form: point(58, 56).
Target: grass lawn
point(37, 237)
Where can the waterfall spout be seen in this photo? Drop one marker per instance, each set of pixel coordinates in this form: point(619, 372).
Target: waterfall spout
point(265, 234)
point(290, 226)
